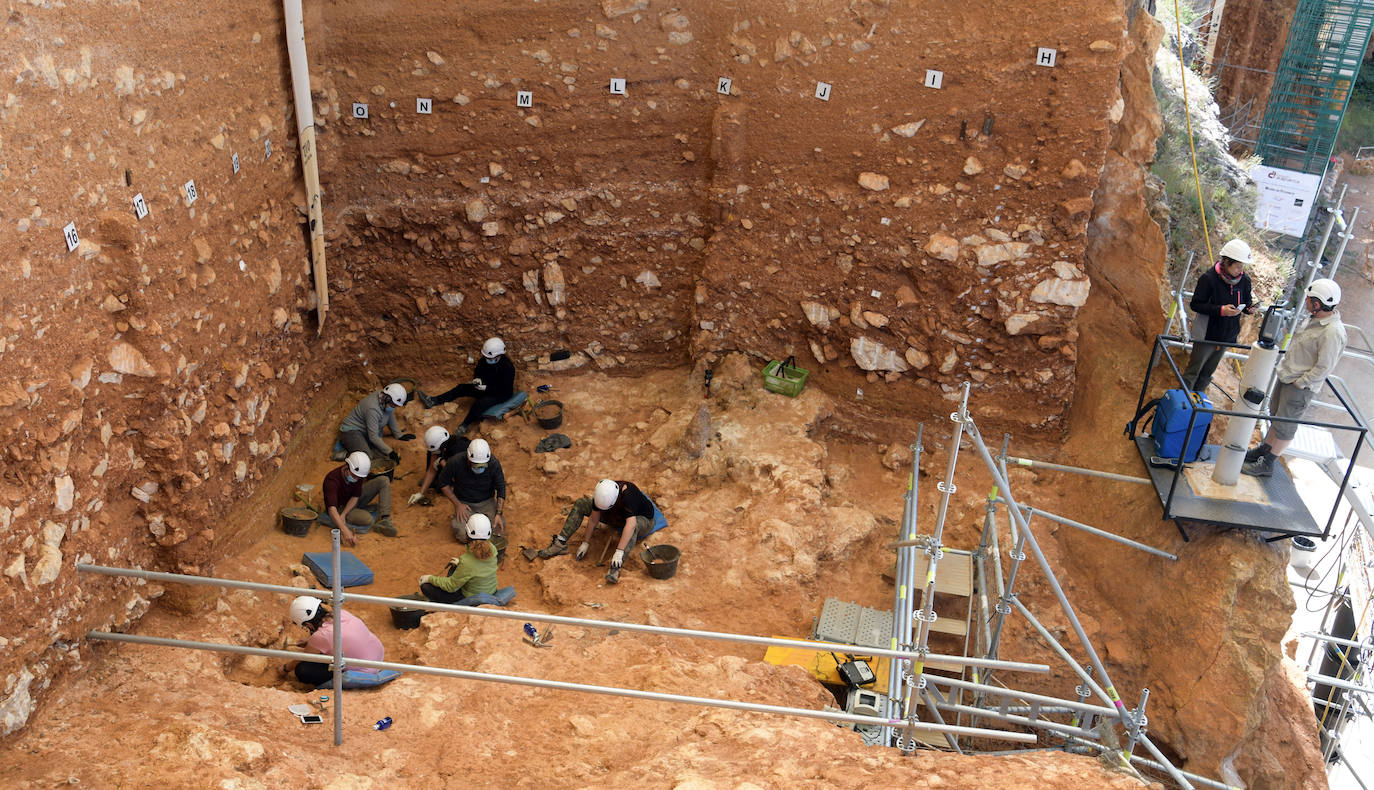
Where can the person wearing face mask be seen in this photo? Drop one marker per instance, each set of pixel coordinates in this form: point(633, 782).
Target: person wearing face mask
point(1220, 298)
point(493, 382)
point(347, 491)
point(1311, 356)
point(361, 430)
point(477, 486)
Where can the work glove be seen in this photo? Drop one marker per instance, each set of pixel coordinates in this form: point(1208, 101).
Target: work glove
point(481, 387)
point(617, 559)
point(415, 498)
point(582, 550)
point(405, 437)
point(424, 580)
point(395, 456)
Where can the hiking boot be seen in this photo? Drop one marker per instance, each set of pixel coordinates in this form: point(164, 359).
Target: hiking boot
point(1260, 467)
point(1253, 454)
point(613, 576)
point(556, 547)
point(385, 527)
point(425, 399)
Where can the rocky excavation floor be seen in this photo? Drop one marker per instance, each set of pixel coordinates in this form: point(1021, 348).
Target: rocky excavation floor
point(772, 515)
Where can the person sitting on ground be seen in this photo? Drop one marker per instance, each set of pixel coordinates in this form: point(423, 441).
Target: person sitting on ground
point(612, 504)
point(440, 449)
point(358, 642)
point(477, 486)
point(1221, 297)
point(1311, 356)
point(471, 574)
point(361, 430)
point(493, 382)
point(348, 490)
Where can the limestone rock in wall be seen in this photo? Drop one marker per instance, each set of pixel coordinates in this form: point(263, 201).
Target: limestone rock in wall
point(872, 355)
point(15, 709)
point(615, 8)
point(943, 247)
point(124, 358)
point(1057, 290)
point(819, 315)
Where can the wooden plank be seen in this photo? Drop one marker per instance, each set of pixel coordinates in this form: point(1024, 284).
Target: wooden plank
point(954, 575)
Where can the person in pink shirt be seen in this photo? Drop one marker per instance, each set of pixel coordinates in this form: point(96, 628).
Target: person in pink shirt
point(358, 642)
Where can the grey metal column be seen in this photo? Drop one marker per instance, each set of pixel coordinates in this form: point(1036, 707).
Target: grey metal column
point(336, 562)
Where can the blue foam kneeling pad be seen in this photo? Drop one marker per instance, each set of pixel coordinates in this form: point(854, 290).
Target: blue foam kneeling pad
point(354, 679)
point(500, 410)
point(352, 571)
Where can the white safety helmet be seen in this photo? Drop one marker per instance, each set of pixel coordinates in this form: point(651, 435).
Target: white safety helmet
point(304, 608)
point(1325, 291)
point(435, 436)
point(479, 452)
point(359, 463)
point(607, 492)
point(1236, 250)
point(479, 527)
point(396, 393)
point(493, 348)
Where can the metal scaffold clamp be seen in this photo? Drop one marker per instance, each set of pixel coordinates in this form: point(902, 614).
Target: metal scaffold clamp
point(1019, 556)
point(946, 488)
point(926, 618)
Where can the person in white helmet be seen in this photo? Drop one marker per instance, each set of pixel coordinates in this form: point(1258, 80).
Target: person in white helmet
point(1311, 356)
point(468, 575)
point(1221, 296)
point(440, 449)
point(493, 382)
point(311, 614)
point(361, 430)
point(347, 493)
point(475, 484)
point(616, 504)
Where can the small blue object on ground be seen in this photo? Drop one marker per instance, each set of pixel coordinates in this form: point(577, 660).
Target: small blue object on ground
point(382, 724)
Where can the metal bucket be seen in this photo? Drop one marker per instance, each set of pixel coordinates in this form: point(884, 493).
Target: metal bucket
point(549, 413)
point(383, 467)
point(661, 560)
point(406, 617)
point(296, 521)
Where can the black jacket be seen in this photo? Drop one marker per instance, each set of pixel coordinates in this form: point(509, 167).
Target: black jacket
point(1210, 295)
point(499, 376)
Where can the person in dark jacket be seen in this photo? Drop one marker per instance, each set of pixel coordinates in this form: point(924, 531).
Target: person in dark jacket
point(1221, 296)
point(474, 485)
point(493, 382)
point(618, 505)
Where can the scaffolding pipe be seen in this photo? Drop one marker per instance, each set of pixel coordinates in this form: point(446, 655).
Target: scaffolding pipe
point(1335, 639)
point(1024, 696)
point(1148, 763)
point(1338, 683)
point(1068, 522)
point(1346, 235)
point(1078, 470)
point(752, 707)
point(1003, 608)
point(1044, 564)
point(939, 719)
point(933, 548)
point(1139, 723)
point(339, 665)
point(1058, 728)
point(1084, 673)
point(507, 614)
point(901, 609)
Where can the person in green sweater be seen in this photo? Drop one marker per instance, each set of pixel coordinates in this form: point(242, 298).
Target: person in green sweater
point(471, 574)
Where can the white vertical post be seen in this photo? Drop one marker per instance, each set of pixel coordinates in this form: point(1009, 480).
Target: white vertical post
point(337, 602)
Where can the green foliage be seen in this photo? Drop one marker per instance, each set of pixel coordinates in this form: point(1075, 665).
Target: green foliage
point(1230, 204)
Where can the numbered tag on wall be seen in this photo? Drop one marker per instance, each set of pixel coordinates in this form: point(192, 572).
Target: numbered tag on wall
point(236, 164)
point(723, 85)
point(617, 86)
point(524, 98)
point(140, 208)
point(191, 192)
point(823, 91)
point(69, 233)
point(267, 149)
point(1044, 56)
point(359, 110)
point(424, 106)
point(934, 79)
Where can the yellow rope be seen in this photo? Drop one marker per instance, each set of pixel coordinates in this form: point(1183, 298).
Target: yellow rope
point(1188, 117)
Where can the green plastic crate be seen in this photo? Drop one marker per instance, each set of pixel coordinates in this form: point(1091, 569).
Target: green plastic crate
point(785, 378)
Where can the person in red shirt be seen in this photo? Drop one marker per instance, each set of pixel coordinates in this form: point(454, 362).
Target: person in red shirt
point(348, 490)
point(310, 613)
